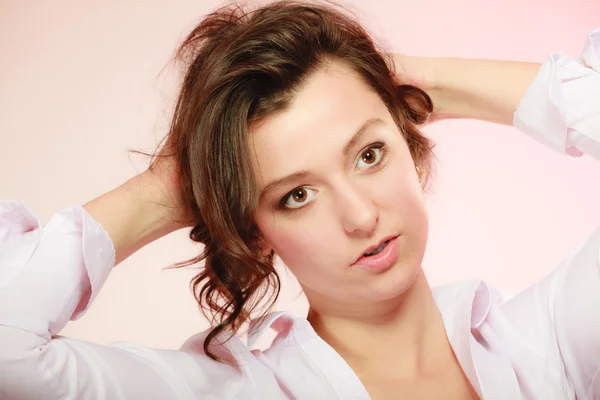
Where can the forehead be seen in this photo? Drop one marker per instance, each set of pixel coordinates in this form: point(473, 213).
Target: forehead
point(324, 114)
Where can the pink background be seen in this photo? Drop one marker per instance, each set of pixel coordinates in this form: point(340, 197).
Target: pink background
point(83, 82)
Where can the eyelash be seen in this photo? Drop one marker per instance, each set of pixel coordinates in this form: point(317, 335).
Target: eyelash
point(376, 145)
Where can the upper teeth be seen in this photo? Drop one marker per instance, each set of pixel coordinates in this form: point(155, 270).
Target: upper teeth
point(377, 250)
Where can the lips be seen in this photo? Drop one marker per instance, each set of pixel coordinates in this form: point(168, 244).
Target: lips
point(375, 246)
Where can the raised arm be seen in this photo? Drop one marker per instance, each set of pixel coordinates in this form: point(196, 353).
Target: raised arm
point(51, 274)
point(557, 102)
point(469, 88)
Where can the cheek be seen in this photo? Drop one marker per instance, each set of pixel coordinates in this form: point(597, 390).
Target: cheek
point(397, 185)
point(304, 244)
point(399, 197)
point(296, 249)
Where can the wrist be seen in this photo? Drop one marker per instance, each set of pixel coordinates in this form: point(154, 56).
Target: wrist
point(132, 215)
point(447, 87)
point(435, 75)
point(153, 202)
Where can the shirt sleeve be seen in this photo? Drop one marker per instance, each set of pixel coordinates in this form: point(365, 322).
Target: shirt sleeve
point(562, 106)
point(51, 274)
point(562, 110)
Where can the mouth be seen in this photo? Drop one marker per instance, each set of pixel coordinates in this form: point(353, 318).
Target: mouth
point(376, 248)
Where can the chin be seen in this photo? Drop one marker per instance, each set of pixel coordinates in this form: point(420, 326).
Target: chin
point(400, 277)
point(394, 282)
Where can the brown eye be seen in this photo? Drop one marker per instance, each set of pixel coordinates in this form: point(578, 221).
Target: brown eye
point(371, 156)
point(368, 156)
point(298, 197)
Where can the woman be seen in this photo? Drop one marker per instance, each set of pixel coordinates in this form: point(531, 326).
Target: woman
point(292, 137)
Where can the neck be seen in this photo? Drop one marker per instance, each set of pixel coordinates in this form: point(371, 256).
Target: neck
point(404, 336)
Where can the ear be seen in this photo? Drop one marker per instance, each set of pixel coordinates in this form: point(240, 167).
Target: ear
point(267, 252)
point(269, 256)
point(265, 248)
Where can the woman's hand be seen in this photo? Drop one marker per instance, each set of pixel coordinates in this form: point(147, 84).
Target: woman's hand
point(143, 209)
point(416, 71)
point(164, 179)
point(422, 72)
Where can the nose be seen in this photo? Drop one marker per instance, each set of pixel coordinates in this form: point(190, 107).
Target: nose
point(358, 212)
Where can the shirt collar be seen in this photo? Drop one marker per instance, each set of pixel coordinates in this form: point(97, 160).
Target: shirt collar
point(464, 307)
point(280, 321)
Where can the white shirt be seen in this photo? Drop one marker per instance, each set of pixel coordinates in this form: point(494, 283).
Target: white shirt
point(543, 343)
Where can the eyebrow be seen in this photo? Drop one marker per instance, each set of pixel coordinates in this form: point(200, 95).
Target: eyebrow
point(359, 134)
point(303, 174)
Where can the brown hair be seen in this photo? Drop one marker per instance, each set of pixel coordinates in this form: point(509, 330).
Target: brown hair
point(242, 66)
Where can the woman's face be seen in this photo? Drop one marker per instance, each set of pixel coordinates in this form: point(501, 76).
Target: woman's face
point(339, 192)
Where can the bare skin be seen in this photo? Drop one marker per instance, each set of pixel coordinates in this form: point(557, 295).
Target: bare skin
point(411, 357)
